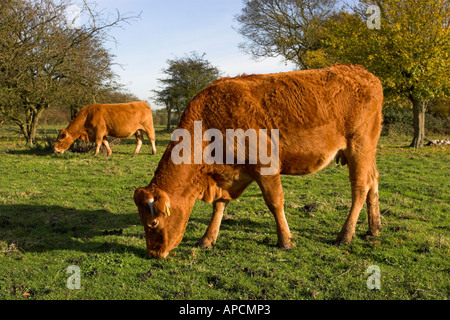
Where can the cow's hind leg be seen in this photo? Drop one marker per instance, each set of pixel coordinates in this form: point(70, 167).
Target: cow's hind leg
point(151, 136)
point(273, 196)
point(152, 141)
point(360, 165)
point(139, 141)
point(372, 201)
point(212, 231)
point(150, 131)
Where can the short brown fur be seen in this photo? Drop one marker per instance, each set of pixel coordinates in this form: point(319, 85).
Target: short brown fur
point(324, 114)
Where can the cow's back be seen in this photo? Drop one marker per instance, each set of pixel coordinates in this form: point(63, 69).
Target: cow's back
point(299, 100)
point(118, 120)
point(315, 111)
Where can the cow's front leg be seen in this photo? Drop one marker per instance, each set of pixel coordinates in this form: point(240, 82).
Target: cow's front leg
point(273, 196)
point(98, 144)
point(210, 236)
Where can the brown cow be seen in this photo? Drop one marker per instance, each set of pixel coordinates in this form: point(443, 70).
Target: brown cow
point(96, 121)
point(321, 115)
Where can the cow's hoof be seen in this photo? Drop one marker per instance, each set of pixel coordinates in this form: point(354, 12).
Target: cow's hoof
point(338, 243)
point(343, 240)
point(344, 237)
point(205, 243)
point(285, 246)
point(370, 234)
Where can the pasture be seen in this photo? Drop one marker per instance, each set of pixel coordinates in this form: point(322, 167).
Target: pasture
point(76, 209)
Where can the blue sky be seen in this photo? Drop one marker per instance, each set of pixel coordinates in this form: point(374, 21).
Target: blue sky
point(172, 28)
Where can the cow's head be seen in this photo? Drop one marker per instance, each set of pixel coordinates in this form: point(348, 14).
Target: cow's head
point(164, 220)
point(64, 141)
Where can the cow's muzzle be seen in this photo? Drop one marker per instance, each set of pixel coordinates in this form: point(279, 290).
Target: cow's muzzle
point(158, 254)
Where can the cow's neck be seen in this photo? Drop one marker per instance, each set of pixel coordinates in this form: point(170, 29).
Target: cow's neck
point(182, 180)
point(76, 126)
point(187, 181)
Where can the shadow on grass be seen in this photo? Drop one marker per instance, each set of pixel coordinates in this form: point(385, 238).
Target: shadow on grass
point(233, 224)
point(44, 145)
point(38, 228)
point(31, 152)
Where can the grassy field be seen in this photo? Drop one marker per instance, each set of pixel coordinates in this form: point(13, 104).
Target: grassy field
point(76, 209)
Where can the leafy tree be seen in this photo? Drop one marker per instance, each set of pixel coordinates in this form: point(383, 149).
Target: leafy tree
point(292, 29)
point(409, 53)
point(45, 60)
point(168, 98)
point(121, 96)
point(185, 78)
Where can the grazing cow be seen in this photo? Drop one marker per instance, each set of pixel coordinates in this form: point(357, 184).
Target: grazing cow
point(321, 115)
point(96, 121)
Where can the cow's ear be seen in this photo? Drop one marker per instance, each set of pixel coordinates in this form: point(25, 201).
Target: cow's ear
point(167, 209)
point(162, 203)
point(142, 196)
point(62, 134)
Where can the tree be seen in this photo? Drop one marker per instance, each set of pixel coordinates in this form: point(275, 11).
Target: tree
point(409, 53)
point(45, 60)
point(90, 78)
point(185, 78)
point(292, 29)
point(122, 96)
point(168, 98)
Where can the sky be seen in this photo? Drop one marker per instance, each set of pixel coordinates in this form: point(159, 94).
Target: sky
point(171, 29)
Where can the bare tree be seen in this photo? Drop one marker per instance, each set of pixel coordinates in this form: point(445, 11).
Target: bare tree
point(287, 28)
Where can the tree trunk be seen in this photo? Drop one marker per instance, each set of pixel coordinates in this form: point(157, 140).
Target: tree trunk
point(32, 130)
point(32, 119)
point(169, 117)
point(419, 109)
point(73, 112)
point(24, 131)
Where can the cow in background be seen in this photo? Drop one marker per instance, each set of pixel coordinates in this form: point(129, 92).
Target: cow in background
point(121, 120)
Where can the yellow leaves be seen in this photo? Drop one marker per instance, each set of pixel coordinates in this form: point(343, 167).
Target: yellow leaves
point(316, 59)
point(410, 50)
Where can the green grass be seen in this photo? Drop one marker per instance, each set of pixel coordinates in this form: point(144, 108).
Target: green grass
point(74, 209)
